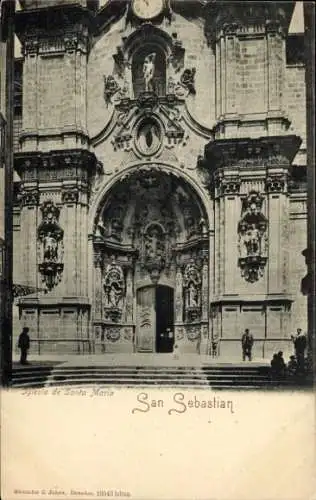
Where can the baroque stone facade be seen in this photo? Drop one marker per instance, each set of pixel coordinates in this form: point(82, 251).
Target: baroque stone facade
point(162, 173)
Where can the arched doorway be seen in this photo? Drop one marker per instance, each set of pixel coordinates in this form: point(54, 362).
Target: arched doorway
point(150, 282)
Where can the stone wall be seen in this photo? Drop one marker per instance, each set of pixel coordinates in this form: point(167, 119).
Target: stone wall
point(242, 89)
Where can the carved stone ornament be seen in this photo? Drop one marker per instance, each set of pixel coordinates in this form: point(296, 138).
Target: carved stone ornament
point(148, 136)
point(70, 195)
point(192, 292)
point(113, 334)
point(275, 184)
point(193, 333)
point(177, 54)
point(186, 85)
point(252, 231)
point(154, 250)
point(30, 197)
point(111, 87)
point(228, 185)
point(114, 288)
point(50, 237)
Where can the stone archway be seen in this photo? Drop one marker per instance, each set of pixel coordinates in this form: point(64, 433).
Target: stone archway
point(151, 233)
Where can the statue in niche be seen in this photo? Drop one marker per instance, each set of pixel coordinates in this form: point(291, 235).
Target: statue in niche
point(153, 244)
point(114, 288)
point(192, 291)
point(114, 295)
point(149, 72)
point(50, 237)
point(192, 296)
point(252, 240)
point(100, 229)
point(50, 247)
point(252, 230)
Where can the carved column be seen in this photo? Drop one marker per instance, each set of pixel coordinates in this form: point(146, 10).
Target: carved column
point(230, 187)
point(129, 295)
point(98, 261)
point(29, 236)
point(275, 185)
point(205, 303)
point(70, 199)
point(205, 286)
point(179, 296)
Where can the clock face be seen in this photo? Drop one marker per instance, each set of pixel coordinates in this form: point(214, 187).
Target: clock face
point(147, 9)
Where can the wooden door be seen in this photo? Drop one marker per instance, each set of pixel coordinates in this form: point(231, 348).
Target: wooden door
point(146, 320)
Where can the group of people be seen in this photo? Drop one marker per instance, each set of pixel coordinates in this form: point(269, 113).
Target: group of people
point(279, 369)
point(296, 363)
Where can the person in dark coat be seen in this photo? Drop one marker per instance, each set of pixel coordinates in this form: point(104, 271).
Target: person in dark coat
point(292, 366)
point(246, 344)
point(300, 344)
point(24, 345)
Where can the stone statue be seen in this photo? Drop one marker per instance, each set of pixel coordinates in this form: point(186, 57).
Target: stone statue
point(149, 71)
point(50, 247)
point(152, 244)
point(114, 295)
point(252, 240)
point(192, 296)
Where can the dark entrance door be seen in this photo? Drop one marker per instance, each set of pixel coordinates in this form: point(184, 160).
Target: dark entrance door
point(164, 319)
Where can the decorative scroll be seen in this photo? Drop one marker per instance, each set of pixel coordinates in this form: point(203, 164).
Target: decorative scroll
point(50, 236)
point(192, 292)
point(252, 230)
point(114, 287)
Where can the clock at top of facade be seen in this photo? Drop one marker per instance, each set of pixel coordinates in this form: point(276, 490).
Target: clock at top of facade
point(147, 9)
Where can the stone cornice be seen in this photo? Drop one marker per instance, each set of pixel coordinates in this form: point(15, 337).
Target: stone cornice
point(66, 164)
point(222, 17)
point(58, 28)
point(244, 153)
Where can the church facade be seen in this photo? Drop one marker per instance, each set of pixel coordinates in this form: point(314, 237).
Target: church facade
point(161, 157)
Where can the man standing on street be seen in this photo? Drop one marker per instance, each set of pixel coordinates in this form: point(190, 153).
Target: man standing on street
point(24, 345)
point(300, 344)
point(246, 343)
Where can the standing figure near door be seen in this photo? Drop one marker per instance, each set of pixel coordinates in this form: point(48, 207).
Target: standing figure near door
point(247, 343)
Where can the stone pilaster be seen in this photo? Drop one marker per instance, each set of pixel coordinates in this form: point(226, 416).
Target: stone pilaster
point(130, 314)
point(29, 222)
point(179, 296)
point(276, 193)
point(55, 43)
point(249, 45)
point(98, 262)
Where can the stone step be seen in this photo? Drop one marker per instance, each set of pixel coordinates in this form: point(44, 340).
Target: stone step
point(129, 376)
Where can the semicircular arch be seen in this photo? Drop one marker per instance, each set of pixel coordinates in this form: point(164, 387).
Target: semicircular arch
point(138, 167)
